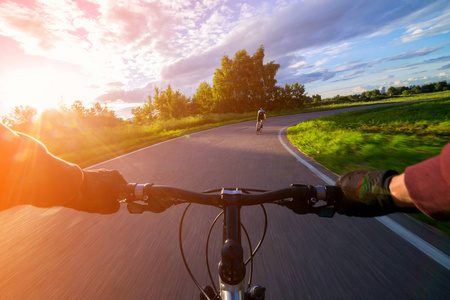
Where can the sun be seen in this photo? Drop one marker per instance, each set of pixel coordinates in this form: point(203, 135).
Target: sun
point(36, 87)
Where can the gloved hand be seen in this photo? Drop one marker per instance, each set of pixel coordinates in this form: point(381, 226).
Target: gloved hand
point(300, 205)
point(158, 205)
point(100, 191)
point(366, 193)
point(156, 202)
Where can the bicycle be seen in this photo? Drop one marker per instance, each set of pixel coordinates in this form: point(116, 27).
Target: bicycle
point(319, 199)
point(259, 127)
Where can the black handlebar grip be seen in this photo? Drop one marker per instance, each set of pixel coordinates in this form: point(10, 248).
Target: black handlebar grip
point(333, 194)
point(127, 191)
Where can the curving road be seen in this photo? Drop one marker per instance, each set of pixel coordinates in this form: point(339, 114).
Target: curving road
point(63, 254)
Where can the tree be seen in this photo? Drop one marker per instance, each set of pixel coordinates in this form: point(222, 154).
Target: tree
point(170, 104)
point(356, 97)
point(244, 83)
point(441, 86)
point(415, 90)
point(99, 115)
point(291, 96)
point(22, 115)
point(270, 88)
point(391, 91)
point(202, 100)
point(375, 93)
point(223, 86)
point(428, 88)
point(366, 94)
point(98, 110)
point(316, 98)
point(78, 108)
point(242, 69)
point(144, 114)
point(298, 95)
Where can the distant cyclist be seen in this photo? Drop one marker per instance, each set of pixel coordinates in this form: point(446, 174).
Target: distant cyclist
point(261, 116)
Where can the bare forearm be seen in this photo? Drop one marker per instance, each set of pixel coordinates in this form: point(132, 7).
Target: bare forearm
point(399, 192)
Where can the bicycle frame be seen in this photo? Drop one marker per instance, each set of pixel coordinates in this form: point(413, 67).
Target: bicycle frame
point(259, 125)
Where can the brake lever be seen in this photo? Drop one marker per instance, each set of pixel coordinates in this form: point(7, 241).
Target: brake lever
point(137, 208)
point(325, 211)
point(282, 202)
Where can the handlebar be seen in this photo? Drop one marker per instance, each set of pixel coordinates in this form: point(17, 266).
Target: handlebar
point(320, 199)
point(301, 199)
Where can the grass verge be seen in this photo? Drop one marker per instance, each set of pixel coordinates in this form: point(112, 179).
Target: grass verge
point(97, 145)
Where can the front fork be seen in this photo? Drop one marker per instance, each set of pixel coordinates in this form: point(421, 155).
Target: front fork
point(234, 292)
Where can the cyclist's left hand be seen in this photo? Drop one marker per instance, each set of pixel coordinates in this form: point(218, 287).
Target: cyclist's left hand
point(158, 205)
point(298, 206)
point(100, 191)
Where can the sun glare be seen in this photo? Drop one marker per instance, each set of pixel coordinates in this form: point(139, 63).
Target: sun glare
point(38, 88)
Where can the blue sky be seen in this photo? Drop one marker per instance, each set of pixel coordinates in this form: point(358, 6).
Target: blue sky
point(116, 52)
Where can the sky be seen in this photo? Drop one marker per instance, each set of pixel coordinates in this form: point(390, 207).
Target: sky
point(117, 51)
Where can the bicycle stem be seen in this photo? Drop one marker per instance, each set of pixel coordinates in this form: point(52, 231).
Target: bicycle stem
point(231, 266)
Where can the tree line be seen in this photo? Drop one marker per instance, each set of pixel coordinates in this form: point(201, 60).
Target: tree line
point(393, 91)
point(25, 118)
point(241, 84)
point(416, 89)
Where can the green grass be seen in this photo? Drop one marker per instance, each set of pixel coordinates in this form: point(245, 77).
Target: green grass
point(385, 137)
point(377, 139)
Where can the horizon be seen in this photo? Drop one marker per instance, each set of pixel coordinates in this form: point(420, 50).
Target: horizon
point(116, 53)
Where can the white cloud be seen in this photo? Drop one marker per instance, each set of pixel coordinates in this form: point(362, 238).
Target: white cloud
point(415, 53)
point(398, 83)
point(434, 26)
point(321, 62)
point(299, 65)
point(335, 50)
point(358, 90)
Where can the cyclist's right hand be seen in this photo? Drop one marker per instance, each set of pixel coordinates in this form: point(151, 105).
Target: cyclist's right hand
point(367, 194)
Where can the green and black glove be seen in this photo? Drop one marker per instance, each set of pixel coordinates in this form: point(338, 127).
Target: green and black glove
point(367, 194)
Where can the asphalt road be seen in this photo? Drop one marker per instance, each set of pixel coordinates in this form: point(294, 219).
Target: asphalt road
point(63, 254)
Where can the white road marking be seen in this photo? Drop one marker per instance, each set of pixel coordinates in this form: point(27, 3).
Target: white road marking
point(417, 242)
point(410, 237)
